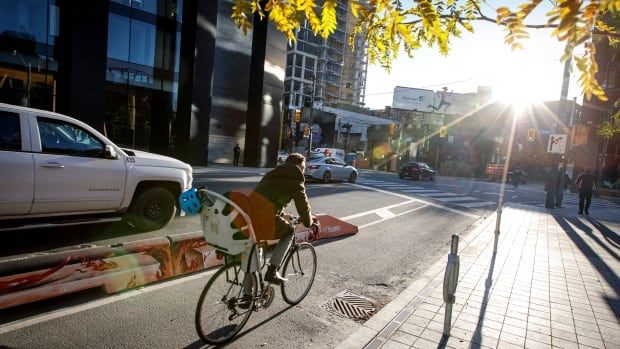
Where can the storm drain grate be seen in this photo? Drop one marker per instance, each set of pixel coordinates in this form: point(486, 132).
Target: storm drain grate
point(351, 305)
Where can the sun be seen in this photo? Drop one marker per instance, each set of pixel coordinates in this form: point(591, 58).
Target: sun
point(520, 81)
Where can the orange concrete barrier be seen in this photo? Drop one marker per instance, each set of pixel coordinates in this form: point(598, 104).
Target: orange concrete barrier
point(334, 227)
point(191, 253)
point(114, 268)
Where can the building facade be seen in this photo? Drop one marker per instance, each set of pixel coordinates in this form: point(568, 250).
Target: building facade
point(167, 76)
point(326, 70)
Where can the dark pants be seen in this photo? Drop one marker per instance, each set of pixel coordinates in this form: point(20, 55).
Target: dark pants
point(584, 196)
point(236, 160)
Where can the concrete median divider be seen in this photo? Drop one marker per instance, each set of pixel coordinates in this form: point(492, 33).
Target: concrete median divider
point(114, 268)
point(121, 266)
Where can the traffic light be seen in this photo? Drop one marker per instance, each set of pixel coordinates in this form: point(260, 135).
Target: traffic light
point(393, 129)
point(306, 132)
point(443, 131)
point(297, 115)
point(531, 134)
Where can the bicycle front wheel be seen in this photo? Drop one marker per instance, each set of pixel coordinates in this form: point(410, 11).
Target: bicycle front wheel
point(221, 313)
point(299, 268)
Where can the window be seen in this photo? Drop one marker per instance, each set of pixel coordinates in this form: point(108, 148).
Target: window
point(118, 40)
point(142, 45)
point(10, 132)
point(59, 137)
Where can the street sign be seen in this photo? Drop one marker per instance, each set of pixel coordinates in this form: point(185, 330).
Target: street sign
point(557, 144)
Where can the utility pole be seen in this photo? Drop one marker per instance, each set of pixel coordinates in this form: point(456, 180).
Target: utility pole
point(311, 121)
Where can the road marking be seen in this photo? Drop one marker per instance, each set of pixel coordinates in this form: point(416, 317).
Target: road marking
point(420, 191)
point(459, 198)
point(16, 325)
point(476, 204)
point(395, 215)
point(376, 211)
point(384, 213)
point(450, 209)
point(434, 195)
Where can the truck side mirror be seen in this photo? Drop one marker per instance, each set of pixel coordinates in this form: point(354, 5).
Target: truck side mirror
point(109, 152)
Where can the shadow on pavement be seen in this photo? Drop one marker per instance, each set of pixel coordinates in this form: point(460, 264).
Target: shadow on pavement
point(595, 259)
point(609, 235)
point(476, 339)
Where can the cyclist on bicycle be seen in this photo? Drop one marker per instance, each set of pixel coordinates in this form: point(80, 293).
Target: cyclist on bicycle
point(279, 186)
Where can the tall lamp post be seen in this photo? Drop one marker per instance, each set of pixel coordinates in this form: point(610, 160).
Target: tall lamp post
point(29, 66)
point(311, 121)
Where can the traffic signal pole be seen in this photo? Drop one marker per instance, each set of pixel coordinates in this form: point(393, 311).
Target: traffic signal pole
point(555, 178)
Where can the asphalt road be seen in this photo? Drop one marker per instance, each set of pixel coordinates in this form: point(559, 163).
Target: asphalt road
point(405, 226)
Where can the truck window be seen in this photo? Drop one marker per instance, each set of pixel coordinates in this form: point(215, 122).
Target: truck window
point(10, 132)
point(59, 137)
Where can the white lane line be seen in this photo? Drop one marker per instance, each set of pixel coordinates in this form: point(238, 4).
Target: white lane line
point(476, 204)
point(434, 195)
point(420, 191)
point(385, 219)
point(16, 325)
point(376, 211)
point(450, 209)
point(460, 198)
point(385, 214)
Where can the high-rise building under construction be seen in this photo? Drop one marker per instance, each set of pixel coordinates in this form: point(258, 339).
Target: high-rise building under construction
point(326, 69)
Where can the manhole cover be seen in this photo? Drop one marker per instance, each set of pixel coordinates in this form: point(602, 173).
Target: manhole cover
point(351, 305)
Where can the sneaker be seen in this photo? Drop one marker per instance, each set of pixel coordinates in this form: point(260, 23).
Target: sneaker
point(273, 276)
point(245, 301)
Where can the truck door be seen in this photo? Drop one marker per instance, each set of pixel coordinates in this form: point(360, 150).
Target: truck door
point(17, 184)
point(71, 172)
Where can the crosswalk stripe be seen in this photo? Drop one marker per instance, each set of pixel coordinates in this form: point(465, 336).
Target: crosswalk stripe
point(432, 195)
point(420, 191)
point(476, 204)
point(460, 198)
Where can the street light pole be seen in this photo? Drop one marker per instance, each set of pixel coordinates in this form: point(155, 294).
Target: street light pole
point(311, 121)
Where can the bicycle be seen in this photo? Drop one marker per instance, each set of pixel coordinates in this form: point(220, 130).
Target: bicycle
point(222, 309)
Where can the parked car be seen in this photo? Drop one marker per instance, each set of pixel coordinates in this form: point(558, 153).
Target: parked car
point(327, 169)
point(58, 170)
point(416, 170)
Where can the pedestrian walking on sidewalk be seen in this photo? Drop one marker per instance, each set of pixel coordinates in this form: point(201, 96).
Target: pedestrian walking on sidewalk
point(585, 183)
point(237, 152)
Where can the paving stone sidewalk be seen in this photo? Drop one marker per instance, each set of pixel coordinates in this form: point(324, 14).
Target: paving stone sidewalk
point(554, 282)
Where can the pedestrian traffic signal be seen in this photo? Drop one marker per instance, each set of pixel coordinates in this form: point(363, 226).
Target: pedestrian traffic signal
point(297, 115)
point(531, 135)
point(306, 132)
point(443, 131)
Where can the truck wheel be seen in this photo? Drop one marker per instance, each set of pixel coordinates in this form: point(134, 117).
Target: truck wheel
point(152, 209)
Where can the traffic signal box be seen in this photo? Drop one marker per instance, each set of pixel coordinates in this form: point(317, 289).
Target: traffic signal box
point(531, 134)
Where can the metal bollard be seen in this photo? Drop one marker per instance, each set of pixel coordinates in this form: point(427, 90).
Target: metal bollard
point(498, 222)
point(450, 280)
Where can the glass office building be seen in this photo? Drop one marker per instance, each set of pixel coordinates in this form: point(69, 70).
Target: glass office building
point(167, 76)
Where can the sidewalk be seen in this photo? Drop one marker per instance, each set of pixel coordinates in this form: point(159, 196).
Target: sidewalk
point(554, 282)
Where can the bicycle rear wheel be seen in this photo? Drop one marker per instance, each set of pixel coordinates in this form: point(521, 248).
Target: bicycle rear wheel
point(219, 316)
point(299, 268)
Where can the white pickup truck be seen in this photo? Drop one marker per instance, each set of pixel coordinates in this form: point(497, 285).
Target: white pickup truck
point(58, 170)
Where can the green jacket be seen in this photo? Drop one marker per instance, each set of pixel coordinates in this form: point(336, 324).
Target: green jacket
point(283, 184)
